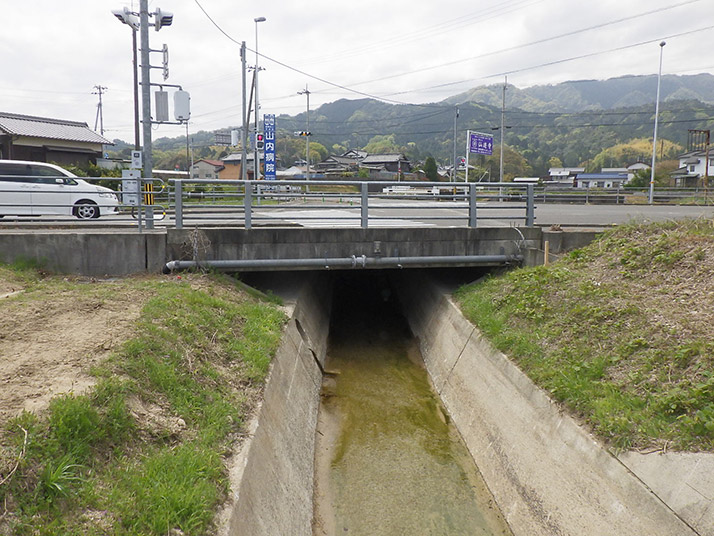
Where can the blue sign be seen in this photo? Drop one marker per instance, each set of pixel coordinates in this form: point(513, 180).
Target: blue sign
point(269, 149)
point(480, 143)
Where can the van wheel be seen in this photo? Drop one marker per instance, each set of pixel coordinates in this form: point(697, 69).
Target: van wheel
point(86, 210)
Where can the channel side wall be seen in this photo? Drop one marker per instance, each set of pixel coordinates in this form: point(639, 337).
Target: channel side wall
point(548, 476)
point(275, 494)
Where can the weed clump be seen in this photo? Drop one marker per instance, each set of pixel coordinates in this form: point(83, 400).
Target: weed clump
point(619, 332)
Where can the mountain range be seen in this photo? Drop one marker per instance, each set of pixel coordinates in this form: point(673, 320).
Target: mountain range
point(573, 121)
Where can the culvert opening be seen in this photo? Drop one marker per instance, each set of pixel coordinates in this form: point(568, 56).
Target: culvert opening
point(387, 459)
point(384, 458)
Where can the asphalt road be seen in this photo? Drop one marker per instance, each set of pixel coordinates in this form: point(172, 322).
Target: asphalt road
point(395, 213)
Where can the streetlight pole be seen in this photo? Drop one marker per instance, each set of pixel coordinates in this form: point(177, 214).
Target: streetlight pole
point(654, 139)
point(256, 156)
point(306, 92)
point(130, 19)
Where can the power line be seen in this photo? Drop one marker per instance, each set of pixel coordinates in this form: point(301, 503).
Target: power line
point(524, 45)
point(299, 71)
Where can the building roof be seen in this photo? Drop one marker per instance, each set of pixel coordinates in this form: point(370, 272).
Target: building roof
point(237, 157)
point(44, 127)
point(382, 158)
point(215, 163)
point(601, 176)
point(565, 172)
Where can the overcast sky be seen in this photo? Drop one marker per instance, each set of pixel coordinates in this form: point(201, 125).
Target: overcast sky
point(53, 53)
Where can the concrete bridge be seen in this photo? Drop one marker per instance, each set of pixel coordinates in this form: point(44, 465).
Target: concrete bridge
point(118, 252)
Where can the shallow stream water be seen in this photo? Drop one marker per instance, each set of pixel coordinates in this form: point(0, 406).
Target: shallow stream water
point(388, 461)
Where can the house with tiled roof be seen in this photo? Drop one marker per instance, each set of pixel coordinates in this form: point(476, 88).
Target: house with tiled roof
point(43, 139)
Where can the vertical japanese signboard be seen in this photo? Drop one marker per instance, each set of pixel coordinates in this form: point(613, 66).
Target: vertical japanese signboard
point(480, 143)
point(269, 150)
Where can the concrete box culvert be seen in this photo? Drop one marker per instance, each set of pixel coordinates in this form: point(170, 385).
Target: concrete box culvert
point(547, 475)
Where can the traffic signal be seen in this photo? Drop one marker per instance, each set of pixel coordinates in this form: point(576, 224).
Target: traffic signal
point(302, 133)
point(259, 141)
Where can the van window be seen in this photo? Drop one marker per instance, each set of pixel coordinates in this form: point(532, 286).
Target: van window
point(15, 169)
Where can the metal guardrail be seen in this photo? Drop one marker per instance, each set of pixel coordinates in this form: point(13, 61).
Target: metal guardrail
point(362, 204)
point(253, 201)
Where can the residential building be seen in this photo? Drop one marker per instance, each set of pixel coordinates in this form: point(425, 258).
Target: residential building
point(337, 165)
point(206, 169)
point(563, 176)
point(693, 170)
point(232, 165)
point(394, 163)
point(42, 139)
point(604, 179)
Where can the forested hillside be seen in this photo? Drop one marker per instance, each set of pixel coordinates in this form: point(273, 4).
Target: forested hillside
point(568, 124)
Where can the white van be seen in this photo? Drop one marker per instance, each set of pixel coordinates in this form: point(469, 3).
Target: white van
point(36, 188)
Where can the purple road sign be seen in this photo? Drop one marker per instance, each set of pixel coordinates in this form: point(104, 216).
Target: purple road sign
point(480, 143)
point(269, 149)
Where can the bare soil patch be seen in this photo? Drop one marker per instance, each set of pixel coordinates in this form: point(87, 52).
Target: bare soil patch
point(51, 337)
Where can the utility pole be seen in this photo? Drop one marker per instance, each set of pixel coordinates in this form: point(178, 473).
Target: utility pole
point(100, 114)
point(503, 127)
point(145, 86)
point(256, 162)
point(453, 173)
point(244, 133)
point(306, 92)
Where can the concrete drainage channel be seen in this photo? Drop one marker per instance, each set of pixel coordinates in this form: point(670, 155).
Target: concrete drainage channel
point(547, 476)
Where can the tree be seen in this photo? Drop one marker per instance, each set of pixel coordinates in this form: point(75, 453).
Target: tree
point(430, 169)
point(382, 145)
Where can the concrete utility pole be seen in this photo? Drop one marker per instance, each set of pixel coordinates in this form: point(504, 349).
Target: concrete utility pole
point(256, 155)
point(244, 133)
point(503, 126)
point(306, 92)
point(456, 117)
point(145, 86)
point(100, 114)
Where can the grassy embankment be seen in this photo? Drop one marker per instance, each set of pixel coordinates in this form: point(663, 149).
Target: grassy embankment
point(95, 463)
point(620, 332)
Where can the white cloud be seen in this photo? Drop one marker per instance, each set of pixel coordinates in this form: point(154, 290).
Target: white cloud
point(55, 53)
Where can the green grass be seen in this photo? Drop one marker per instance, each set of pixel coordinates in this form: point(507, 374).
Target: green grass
point(609, 334)
point(92, 465)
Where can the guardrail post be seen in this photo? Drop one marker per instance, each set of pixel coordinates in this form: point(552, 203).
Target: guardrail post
point(530, 206)
point(247, 204)
point(473, 222)
point(178, 204)
point(364, 206)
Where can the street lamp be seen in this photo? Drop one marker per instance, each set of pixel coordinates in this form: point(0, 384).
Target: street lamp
point(654, 138)
point(256, 160)
point(131, 20)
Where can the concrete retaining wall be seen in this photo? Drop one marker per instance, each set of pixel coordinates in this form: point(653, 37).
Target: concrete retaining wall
point(116, 252)
point(275, 495)
point(92, 253)
point(548, 476)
